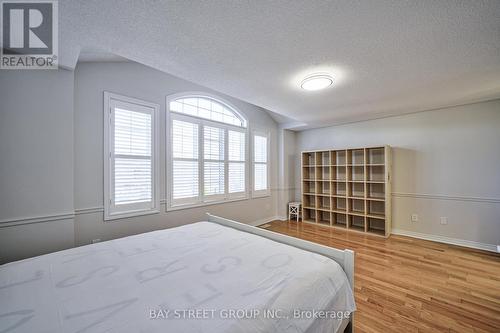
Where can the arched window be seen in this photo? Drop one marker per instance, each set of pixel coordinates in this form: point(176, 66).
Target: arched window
point(208, 108)
point(208, 156)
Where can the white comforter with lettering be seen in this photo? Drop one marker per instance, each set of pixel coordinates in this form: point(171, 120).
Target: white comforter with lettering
point(149, 282)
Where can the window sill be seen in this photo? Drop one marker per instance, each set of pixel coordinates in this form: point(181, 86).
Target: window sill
point(203, 204)
point(124, 215)
point(257, 195)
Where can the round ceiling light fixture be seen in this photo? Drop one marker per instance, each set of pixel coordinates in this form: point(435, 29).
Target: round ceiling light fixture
point(316, 81)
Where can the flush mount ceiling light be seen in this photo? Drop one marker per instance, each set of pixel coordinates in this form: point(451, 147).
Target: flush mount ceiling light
point(317, 82)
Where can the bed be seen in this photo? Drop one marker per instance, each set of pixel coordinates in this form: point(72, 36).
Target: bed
point(213, 276)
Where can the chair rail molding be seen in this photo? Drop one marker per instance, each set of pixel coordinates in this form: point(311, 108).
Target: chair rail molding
point(89, 210)
point(445, 197)
point(36, 219)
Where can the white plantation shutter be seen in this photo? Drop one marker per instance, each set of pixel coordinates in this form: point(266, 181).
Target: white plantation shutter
point(132, 155)
point(185, 161)
point(237, 178)
point(260, 165)
point(236, 162)
point(185, 180)
point(133, 180)
point(130, 151)
point(260, 176)
point(213, 150)
point(214, 179)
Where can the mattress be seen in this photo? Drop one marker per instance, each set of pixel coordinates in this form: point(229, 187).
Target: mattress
point(201, 277)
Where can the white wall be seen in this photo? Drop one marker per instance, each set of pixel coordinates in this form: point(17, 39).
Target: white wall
point(445, 163)
point(36, 168)
point(135, 80)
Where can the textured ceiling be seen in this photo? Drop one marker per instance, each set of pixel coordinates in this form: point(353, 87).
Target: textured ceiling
point(388, 57)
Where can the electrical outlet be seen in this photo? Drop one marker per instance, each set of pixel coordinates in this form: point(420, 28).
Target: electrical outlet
point(97, 240)
point(414, 217)
point(443, 220)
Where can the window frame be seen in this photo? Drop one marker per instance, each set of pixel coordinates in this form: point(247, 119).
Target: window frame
point(267, 191)
point(200, 201)
point(111, 212)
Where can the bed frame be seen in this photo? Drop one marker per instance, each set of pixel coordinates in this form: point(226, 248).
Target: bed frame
point(345, 258)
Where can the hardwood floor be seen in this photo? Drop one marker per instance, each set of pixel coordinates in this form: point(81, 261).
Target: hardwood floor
point(405, 284)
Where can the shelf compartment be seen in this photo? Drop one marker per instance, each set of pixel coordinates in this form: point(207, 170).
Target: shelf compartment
point(324, 203)
point(357, 206)
point(376, 173)
point(357, 157)
point(376, 155)
point(376, 208)
point(323, 158)
point(324, 217)
point(309, 172)
point(309, 201)
point(339, 173)
point(340, 157)
point(376, 191)
point(309, 215)
point(357, 173)
point(333, 157)
point(376, 225)
point(339, 189)
point(323, 188)
point(357, 190)
point(323, 173)
point(356, 222)
point(308, 159)
point(339, 204)
point(309, 186)
point(339, 220)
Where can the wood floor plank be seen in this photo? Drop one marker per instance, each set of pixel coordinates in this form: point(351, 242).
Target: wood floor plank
point(404, 284)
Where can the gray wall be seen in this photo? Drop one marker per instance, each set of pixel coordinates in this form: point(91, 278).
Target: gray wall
point(135, 80)
point(445, 163)
point(36, 168)
point(286, 170)
point(51, 172)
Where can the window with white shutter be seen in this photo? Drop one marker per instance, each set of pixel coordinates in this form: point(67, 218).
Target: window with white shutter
point(131, 157)
point(261, 164)
point(208, 152)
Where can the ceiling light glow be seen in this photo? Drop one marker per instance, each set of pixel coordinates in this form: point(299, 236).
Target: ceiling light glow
point(317, 82)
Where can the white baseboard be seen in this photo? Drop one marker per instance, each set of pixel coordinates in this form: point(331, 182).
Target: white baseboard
point(446, 240)
point(267, 220)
